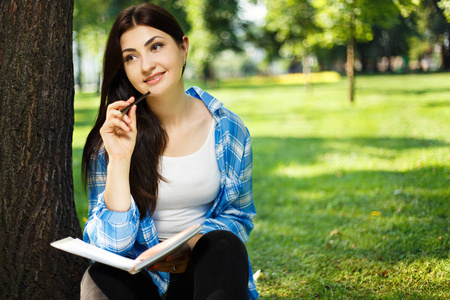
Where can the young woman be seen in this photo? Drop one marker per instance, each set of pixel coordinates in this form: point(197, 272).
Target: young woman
point(176, 159)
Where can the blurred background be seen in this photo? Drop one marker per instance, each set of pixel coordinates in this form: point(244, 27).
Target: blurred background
point(237, 38)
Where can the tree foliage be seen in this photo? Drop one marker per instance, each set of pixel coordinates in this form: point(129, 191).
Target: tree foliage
point(89, 26)
point(433, 30)
point(293, 28)
point(292, 22)
point(350, 21)
point(213, 29)
point(445, 6)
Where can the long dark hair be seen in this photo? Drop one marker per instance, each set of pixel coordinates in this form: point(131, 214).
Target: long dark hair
point(151, 137)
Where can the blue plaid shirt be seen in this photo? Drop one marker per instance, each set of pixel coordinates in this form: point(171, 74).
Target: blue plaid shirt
point(232, 210)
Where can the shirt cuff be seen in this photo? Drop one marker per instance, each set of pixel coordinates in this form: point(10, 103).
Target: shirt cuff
point(117, 217)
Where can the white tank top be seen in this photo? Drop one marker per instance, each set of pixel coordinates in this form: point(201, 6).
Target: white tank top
point(192, 183)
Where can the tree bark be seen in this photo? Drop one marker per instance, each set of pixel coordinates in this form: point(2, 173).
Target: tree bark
point(307, 74)
point(79, 78)
point(36, 187)
point(445, 55)
point(350, 66)
point(351, 69)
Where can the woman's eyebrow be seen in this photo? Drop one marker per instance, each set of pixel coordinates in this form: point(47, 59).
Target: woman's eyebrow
point(145, 44)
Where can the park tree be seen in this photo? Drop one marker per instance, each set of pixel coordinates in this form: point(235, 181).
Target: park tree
point(89, 26)
point(434, 30)
point(445, 6)
point(262, 38)
point(344, 22)
point(36, 188)
point(213, 29)
point(291, 23)
point(394, 41)
point(175, 7)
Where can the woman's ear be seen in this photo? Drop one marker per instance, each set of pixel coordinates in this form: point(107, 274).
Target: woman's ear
point(185, 47)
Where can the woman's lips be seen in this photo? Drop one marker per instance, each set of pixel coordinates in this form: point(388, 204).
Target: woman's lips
point(155, 78)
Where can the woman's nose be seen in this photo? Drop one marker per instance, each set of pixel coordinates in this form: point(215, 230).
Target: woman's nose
point(147, 63)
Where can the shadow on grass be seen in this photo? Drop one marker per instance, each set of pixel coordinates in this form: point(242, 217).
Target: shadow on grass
point(438, 104)
point(403, 91)
point(276, 150)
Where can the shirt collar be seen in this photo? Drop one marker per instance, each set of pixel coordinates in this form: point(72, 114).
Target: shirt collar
point(212, 103)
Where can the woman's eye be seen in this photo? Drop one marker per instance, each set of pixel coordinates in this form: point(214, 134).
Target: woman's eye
point(130, 58)
point(156, 46)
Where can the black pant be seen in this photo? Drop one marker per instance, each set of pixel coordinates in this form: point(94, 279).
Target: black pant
point(218, 269)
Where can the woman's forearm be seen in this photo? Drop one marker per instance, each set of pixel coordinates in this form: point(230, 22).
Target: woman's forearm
point(117, 189)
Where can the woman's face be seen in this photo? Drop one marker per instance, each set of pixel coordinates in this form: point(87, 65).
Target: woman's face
point(153, 61)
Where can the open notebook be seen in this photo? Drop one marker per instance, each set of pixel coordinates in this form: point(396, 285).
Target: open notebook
point(133, 266)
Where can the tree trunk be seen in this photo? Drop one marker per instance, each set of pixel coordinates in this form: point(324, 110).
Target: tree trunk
point(208, 75)
point(351, 70)
point(79, 63)
point(36, 187)
point(307, 74)
point(445, 53)
point(350, 66)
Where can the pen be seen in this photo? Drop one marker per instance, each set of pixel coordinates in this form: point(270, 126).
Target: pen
point(125, 110)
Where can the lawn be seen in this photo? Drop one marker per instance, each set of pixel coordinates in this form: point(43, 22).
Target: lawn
point(352, 199)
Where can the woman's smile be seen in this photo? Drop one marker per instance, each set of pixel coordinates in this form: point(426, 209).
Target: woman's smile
point(154, 78)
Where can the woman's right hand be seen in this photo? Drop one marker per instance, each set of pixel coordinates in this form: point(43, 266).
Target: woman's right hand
point(119, 131)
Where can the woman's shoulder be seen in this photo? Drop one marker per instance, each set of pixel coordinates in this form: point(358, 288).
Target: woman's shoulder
point(231, 121)
point(211, 102)
point(226, 118)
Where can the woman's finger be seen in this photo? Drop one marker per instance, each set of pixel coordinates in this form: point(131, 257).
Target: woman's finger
point(173, 268)
point(114, 112)
point(114, 124)
point(175, 265)
point(119, 105)
point(121, 124)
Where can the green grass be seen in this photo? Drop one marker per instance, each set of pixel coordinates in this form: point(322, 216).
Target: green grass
point(352, 200)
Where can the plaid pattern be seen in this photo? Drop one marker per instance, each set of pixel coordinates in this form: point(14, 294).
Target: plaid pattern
point(232, 210)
